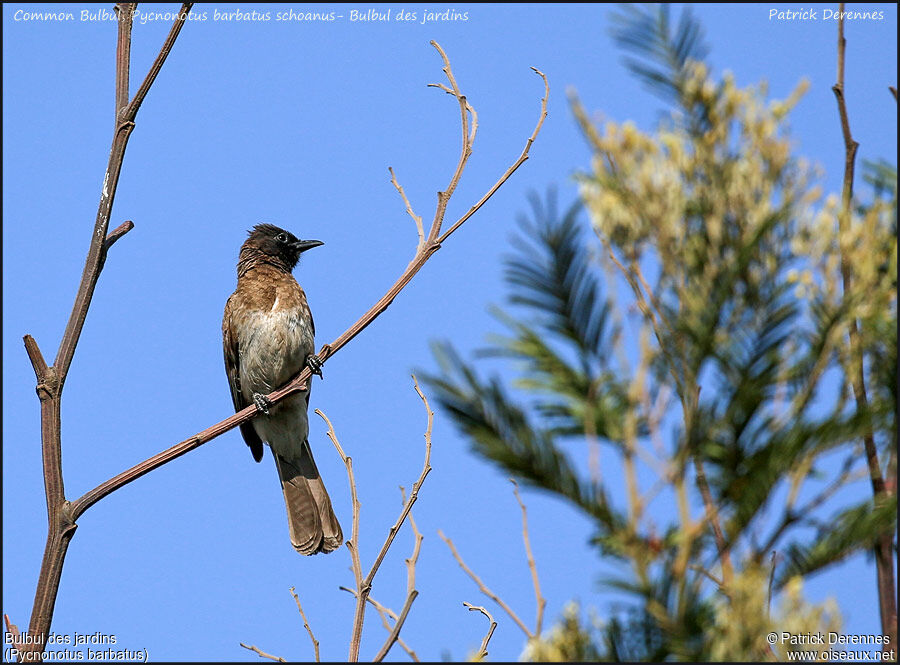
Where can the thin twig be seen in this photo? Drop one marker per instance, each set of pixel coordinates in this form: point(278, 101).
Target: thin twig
point(540, 601)
point(384, 612)
point(712, 514)
point(417, 546)
point(395, 633)
point(444, 196)
point(523, 157)
point(132, 108)
point(418, 220)
point(12, 629)
point(482, 651)
point(708, 575)
point(353, 543)
point(364, 586)
point(262, 653)
point(483, 587)
point(306, 624)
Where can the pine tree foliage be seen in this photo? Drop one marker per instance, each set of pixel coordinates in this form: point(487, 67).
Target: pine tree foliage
point(660, 53)
point(734, 261)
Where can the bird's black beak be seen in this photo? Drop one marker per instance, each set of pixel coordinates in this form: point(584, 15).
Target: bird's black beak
point(303, 245)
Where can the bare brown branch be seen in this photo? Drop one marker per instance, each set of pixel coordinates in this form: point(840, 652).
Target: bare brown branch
point(364, 586)
point(312, 637)
point(125, 17)
point(353, 543)
point(483, 587)
point(117, 233)
point(384, 612)
point(409, 210)
point(482, 650)
point(395, 633)
point(515, 165)
point(131, 110)
point(540, 601)
point(411, 592)
point(41, 370)
point(444, 196)
point(263, 654)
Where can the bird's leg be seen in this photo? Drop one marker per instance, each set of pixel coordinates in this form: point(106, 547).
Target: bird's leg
point(262, 402)
point(314, 364)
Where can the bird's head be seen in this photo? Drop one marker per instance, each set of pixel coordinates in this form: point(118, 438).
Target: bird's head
point(267, 243)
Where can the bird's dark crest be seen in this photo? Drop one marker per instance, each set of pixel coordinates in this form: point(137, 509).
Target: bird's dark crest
point(267, 230)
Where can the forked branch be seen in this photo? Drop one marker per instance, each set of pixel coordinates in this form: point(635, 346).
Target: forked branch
point(364, 585)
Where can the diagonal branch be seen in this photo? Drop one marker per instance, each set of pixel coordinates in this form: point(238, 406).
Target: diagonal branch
point(384, 613)
point(483, 587)
point(411, 592)
point(515, 165)
point(123, 131)
point(540, 601)
point(312, 637)
point(131, 110)
point(416, 218)
point(262, 654)
point(395, 632)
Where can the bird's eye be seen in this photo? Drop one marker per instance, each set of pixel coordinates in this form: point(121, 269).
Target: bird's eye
point(281, 237)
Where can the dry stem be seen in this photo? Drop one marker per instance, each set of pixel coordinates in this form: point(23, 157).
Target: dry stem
point(364, 586)
point(263, 654)
point(384, 612)
point(483, 587)
point(306, 623)
point(540, 601)
point(482, 651)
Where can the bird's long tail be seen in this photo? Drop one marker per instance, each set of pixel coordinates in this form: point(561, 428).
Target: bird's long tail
point(312, 523)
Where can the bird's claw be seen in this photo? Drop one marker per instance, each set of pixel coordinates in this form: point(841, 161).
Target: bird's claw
point(262, 402)
point(314, 364)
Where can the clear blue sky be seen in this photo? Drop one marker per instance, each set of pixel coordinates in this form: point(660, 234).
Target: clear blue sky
point(296, 123)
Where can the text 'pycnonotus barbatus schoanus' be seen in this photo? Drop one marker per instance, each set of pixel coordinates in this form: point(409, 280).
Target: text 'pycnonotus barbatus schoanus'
point(268, 335)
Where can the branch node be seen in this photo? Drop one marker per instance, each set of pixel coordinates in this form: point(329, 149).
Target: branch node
point(117, 233)
point(37, 359)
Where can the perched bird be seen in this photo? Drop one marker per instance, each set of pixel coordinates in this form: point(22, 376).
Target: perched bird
point(268, 338)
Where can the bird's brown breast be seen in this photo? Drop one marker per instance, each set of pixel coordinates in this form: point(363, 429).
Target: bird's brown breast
point(273, 326)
